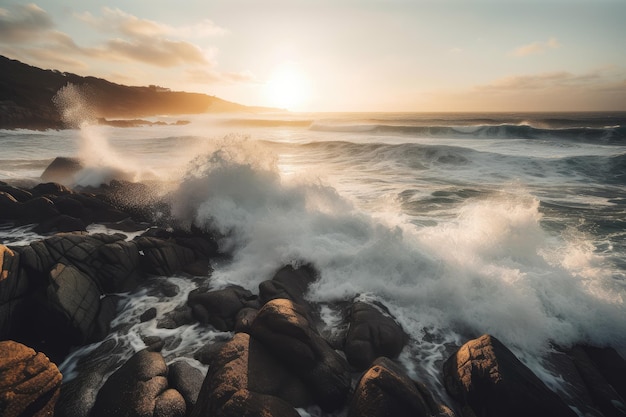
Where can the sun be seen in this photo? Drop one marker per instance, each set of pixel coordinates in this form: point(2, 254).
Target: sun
point(287, 88)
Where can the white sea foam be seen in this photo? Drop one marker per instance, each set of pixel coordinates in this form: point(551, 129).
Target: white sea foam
point(491, 269)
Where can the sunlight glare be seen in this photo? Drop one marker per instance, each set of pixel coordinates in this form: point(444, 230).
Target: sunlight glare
point(287, 88)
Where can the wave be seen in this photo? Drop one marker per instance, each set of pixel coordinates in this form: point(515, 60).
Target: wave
point(608, 134)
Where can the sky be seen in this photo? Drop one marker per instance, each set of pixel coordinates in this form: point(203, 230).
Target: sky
point(339, 55)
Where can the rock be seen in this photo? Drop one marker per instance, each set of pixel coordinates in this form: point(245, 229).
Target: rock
point(180, 316)
point(244, 380)
point(283, 328)
point(139, 388)
point(36, 210)
point(244, 319)
point(602, 393)
point(61, 223)
point(119, 269)
point(30, 383)
point(50, 189)
point(163, 258)
point(15, 192)
point(372, 333)
point(187, 380)
point(9, 206)
point(385, 390)
point(219, 308)
point(487, 377)
point(148, 315)
point(288, 283)
point(62, 170)
point(77, 298)
point(611, 365)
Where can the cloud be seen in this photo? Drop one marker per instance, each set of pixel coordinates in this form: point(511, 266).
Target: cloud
point(23, 23)
point(536, 48)
point(551, 80)
point(210, 76)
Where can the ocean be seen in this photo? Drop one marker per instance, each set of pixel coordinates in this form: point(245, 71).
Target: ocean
point(460, 224)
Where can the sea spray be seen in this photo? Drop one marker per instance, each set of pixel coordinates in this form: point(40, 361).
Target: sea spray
point(490, 269)
point(101, 162)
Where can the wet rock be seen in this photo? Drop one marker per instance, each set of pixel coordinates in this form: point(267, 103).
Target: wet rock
point(36, 210)
point(187, 380)
point(76, 297)
point(385, 390)
point(62, 170)
point(244, 319)
point(30, 383)
point(17, 193)
point(148, 315)
point(244, 380)
point(219, 308)
point(611, 365)
point(61, 223)
point(163, 258)
point(180, 316)
point(602, 393)
point(486, 377)
point(14, 289)
point(372, 333)
point(139, 388)
point(289, 283)
point(283, 328)
point(119, 269)
point(50, 189)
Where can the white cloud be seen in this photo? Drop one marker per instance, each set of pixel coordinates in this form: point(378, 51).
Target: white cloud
point(23, 23)
point(536, 48)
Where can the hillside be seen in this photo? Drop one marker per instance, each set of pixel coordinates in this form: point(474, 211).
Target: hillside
point(26, 94)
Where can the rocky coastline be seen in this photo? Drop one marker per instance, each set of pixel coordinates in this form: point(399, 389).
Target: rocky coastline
point(62, 292)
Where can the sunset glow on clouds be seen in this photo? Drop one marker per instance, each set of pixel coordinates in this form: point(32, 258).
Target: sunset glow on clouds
point(349, 55)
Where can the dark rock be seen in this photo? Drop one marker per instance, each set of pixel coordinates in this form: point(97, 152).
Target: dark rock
point(9, 206)
point(187, 380)
point(244, 319)
point(126, 225)
point(107, 312)
point(602, 393)
point(245, 380)
point(50, 189)
point(139, 388)
point(180, 316)
point(61, 223)
point(372, 333)
point(207, 353)
point(30, 383)
point(76, 297)
point(36, 210)
point(119, 269)
point(219, 308)
point(17, 193)
point(153, 343)
point(288, 283)
point(14, 288)
point(71, 206)
point(611, 365)
point(62, 170)
point(162, 257)
point(283, 328)
point(487, 377)
point(148, 315)
point(386, 390)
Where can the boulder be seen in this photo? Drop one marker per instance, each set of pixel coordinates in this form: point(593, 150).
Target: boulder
point(119, 266)
point(187, 380)
point(385, 390)
point(283, 328)
point(219, 308)
point(36, 210)
point(486, 377)
point(139, 388)
point(62, 170)
point(77, 298)
point(602, 393)
point(289, 283)
point(9, 206)
point(372, 333)
point(59, 224)
point(163, 258)
point(17, 193)
point(245, 380)
point(611, 365)
point(30, 383)
point(50, 189)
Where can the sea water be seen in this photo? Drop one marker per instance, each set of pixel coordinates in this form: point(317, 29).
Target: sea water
point(460, 224)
